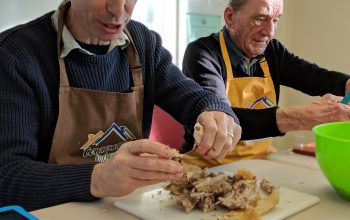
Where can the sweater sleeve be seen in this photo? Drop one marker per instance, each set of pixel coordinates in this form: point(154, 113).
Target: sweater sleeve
point(26, 177)
point(305, 76)
point(179, 95)
point(203, 63)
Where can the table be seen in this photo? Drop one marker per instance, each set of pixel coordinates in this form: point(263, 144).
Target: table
point(289, 157)
point(299, 178)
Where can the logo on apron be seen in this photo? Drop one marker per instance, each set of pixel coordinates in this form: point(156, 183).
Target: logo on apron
point(265, 101)
point(103, 145)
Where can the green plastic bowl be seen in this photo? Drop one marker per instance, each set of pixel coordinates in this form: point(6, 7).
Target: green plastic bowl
point(333, 155)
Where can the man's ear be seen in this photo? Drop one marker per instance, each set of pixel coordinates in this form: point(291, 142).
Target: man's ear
point(228, 16)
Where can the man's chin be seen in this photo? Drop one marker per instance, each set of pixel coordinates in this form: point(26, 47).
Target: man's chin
point(258, 52)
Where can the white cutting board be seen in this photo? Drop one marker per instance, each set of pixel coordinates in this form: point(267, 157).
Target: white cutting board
point(157, 205)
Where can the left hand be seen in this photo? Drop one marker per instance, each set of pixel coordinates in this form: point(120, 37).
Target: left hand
point(217, 141)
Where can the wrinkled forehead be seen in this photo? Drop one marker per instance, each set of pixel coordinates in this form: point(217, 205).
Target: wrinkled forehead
point(265, 7)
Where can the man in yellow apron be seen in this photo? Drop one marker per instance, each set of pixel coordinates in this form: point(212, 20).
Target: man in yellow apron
point(245, 67)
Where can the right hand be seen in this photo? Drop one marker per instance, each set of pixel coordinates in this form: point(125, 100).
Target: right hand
point(215, 141)
point(326, 109)
point(136, 164)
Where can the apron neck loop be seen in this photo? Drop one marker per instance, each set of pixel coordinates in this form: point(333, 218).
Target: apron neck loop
point(61, 21)
point(133, 56)
point(135, 64)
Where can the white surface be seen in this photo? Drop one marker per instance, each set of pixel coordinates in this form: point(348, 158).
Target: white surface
point(331, 206)
point(157, 205)
point(289, 157)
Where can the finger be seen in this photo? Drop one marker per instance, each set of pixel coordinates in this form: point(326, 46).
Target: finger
point(229, 145)
point(233, 136)
point(155, 164)
point(237, 132)
point(221, 139)
point(151, 147)
point(210, 130)
point(227, 148)
point(332, 98)
point(152, 175)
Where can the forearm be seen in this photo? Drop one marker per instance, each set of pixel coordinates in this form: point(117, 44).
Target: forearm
point(326, 109)
point(258, 123)
point(290, 119)
point(36, 185)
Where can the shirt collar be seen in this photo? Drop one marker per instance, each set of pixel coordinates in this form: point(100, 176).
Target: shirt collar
point(69, 42)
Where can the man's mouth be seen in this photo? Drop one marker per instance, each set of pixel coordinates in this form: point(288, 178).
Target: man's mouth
point(112, 28)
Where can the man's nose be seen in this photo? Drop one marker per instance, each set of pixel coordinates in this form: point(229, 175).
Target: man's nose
point(116, 8)
point(269, 29)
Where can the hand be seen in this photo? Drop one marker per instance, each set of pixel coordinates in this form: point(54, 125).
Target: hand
point(324, 110)
point(136, 164)
point(217, 141)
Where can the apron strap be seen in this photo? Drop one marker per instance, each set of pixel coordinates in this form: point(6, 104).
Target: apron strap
point(225, 55)
point(265, 67)
point(135, 64)
point(61, 20)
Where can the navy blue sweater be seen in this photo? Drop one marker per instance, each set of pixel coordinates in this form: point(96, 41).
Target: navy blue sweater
point(29, 76)
point(204, 63)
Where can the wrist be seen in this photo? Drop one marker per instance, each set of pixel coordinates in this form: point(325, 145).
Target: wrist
point(95, 186)
point(290, 119)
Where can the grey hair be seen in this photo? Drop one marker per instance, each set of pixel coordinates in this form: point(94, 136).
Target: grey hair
point(237, 4)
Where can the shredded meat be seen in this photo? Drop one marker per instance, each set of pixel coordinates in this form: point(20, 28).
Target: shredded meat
point(241, 195)
point(206, 191)
point(267, 186)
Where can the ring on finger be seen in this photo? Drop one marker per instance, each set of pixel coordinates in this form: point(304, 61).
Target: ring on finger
point(231, 134)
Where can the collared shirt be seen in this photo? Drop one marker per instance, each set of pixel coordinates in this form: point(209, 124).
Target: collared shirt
point(69, 42)
point(240, 64)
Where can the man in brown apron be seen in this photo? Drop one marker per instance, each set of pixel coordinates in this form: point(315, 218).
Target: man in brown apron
point(243, 65)
point(80, 85)
point(73, 125)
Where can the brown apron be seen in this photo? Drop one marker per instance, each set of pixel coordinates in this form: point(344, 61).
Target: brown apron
point(93, 124)
point(244, 92)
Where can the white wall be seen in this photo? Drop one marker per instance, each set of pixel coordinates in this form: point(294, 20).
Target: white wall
point(160, 16)
point(211, 7)
point(13, 12)
point(318, 31)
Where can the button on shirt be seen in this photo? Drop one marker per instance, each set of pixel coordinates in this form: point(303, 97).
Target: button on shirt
point(240, 64)
point(69, 42)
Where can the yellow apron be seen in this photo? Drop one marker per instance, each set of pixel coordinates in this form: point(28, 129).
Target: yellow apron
point(243, 92)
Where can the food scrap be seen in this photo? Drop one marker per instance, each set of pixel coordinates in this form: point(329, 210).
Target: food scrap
point(177, 155)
